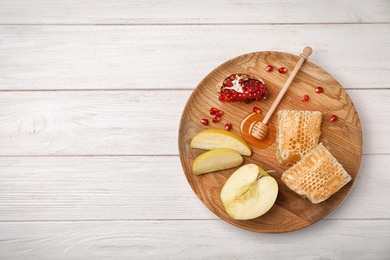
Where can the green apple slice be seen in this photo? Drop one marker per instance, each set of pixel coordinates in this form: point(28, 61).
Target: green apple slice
point(211, 139)
point(216, 160)
point(249, 192)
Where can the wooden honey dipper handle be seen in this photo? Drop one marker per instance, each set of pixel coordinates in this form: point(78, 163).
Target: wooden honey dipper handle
point(304, 56)
point(260, 129)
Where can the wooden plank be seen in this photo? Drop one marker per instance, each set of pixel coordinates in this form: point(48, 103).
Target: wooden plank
point(190, 12)
point(128, 57)
point(115, 122)
point(104, 122)
point(90, 123)
point(352, 239)
point(149, 187)
point(107, 188)
point(373, 113)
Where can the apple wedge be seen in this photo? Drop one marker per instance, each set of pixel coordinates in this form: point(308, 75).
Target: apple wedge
point(211, 139)
point(249, 192)
point(216, 160)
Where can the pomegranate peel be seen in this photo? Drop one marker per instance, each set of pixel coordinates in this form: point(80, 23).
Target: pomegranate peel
point(240, 87)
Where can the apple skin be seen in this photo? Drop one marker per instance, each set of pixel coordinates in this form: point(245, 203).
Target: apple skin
point(216, 160)
point(211, 139)
point(249, 193)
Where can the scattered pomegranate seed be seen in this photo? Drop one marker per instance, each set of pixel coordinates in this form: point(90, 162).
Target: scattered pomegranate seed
point(228, 126)
point(269, 68)
point(219, 113)
point(216, 119)
point(204, 121)
point(319, 89)
point(333, 118)
point(257, 110)
point(282, 70)
point(213, 110)
point(305, 98)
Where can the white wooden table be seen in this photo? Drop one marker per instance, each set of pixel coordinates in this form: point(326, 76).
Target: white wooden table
point(91, 95)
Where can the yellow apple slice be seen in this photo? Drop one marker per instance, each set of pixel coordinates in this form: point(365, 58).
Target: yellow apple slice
point(249, 192)
point(216, 160)
point(211, 139)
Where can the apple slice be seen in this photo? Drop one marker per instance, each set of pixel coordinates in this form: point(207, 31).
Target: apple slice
point(211, 139)
point(216, 160)
point(249, 192)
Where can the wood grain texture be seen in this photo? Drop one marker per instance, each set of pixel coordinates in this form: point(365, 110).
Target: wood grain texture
point(143, 187)
point(189, 12)
point(83, 173)
point(114, 122)
point(343, 138)
point(213, 239)
point(104, 188)
point(122, 57)
point(76, 123)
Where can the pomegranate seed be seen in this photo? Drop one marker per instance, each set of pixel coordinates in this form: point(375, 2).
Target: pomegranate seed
point(333, 118)
point(219, 113)
point(249, 90)
point(305, 98)
point(257, 110)
point(319, 89)
point(228, 126)
point(222, 98)
point(216, 119)
point(282, 70)
point(204, 121)
point(269, 68)
point(213, 110)
point(228, 83)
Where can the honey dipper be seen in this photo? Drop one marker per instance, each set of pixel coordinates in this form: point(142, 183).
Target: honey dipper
point(260, 128)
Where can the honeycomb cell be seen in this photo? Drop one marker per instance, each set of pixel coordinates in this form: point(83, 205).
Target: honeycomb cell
point(297, 133)
point(317, 176)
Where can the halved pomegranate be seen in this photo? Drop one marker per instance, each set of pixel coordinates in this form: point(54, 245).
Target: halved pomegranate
point(241, 88)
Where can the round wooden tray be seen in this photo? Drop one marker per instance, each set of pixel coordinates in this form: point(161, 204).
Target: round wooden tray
point(342, 137)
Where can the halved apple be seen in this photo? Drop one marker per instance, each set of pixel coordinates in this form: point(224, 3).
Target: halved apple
point(216, 160)
point(211, 139)
point(249, 192)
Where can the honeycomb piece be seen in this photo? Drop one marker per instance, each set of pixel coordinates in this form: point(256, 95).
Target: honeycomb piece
point(297, 133)
point(317, 176)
